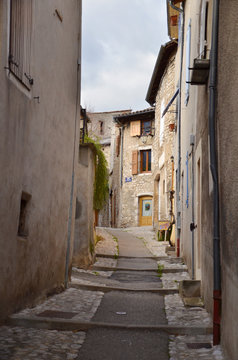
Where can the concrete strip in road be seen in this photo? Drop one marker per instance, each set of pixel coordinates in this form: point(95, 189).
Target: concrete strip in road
point(106, 289)
point(73, 325)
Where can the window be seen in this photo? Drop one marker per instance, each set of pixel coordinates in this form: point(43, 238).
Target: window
point(22, 223)
point(203, 30)
point(20, 40)
point(145, 161)
point(146, 128)
point(101, 127)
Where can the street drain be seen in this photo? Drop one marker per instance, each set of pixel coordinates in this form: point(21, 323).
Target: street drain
point(199, 345)
point(57, 314)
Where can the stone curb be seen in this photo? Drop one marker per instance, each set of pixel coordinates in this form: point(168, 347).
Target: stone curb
point(106, 289)
point(73, 325)
point(165, 271)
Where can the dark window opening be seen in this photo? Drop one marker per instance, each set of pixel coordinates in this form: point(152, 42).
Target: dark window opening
point(22, 224)
point(145, 161)
point(101, 125)
point(205, 32)
point(146, 128)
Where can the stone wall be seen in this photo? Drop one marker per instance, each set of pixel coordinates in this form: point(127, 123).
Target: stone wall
point(140, 184)
point(163, 146)
point(107, 135)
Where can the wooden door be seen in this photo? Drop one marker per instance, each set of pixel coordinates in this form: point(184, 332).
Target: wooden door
point(145, 216)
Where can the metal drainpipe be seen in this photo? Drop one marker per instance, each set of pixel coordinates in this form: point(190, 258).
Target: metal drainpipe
point(178, 219)
point(193, 262)
point(121, 167)
point(214, 171)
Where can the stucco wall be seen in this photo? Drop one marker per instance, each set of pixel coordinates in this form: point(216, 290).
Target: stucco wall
point(36, 153)
point(228, 170)
point(84, 215)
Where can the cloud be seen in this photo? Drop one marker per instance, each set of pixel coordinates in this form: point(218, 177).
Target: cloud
point(120, 45)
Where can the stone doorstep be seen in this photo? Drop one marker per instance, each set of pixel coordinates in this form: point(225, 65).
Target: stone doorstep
point(193, 301)
point(73, 325)
point(105, 289)
point(165, 270)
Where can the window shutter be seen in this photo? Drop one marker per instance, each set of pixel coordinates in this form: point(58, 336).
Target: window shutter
point(135, 128)
point(118, 141)
point(134, 162)
point(188, 50)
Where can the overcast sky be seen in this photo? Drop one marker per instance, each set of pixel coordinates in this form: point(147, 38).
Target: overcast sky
point(121, 41)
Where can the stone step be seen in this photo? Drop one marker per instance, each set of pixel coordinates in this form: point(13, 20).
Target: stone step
point(165, 270)
point(105, 288)
point(50, 323)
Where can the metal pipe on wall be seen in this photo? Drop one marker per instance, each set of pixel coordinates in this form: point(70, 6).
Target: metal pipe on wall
point(214, 171)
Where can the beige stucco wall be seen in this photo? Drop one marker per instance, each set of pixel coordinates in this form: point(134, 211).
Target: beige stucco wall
point(194, 121)
point(84, 215)
point(228, 170)
point(36, 154)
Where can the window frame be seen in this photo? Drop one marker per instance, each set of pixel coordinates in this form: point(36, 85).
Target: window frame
point(20, 30)
point(142, 128)
point(148, 163)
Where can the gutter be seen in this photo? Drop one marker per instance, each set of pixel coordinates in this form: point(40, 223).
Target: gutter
point(214, 171)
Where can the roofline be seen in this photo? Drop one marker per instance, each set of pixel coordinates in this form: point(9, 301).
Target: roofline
point(164, 55)
point(136, 114)
point(109, 112)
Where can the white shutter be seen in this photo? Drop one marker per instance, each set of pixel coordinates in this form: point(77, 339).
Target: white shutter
point(188, 51)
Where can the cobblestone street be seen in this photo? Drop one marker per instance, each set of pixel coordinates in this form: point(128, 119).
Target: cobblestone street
point(57, 328)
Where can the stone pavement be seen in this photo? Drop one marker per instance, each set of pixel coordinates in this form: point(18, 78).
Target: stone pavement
point(67, 313)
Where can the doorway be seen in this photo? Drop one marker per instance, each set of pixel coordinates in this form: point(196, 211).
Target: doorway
point(145, 214)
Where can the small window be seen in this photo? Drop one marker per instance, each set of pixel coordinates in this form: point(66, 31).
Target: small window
point(20, 40)
point(101, 127)
point(145, 161)
point(22, 224)
point(146, 128)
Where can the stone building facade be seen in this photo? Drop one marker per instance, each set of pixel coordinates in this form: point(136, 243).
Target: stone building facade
point(103, 128)
point(160, 92)
point(135, 166)
point(39, 139)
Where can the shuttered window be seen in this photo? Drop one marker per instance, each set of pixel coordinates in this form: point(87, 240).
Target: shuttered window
point(134, 162)
point(135, 128)
point(20, 40)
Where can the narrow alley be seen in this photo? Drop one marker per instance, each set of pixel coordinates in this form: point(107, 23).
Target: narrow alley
point(126, 306)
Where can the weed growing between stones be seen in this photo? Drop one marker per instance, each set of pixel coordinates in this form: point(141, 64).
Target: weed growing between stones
point(160, 270)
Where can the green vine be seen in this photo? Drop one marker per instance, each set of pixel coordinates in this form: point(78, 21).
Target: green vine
point(101, 176)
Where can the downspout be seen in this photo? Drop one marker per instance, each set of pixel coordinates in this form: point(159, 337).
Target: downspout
point(192, 226)
point(121, 166)
point(178, 179)
point(214, 171)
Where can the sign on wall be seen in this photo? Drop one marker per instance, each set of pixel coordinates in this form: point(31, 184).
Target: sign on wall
point(128, 179)
point(164, 225)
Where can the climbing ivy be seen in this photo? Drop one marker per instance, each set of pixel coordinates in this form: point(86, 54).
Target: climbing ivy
point(101, 187)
